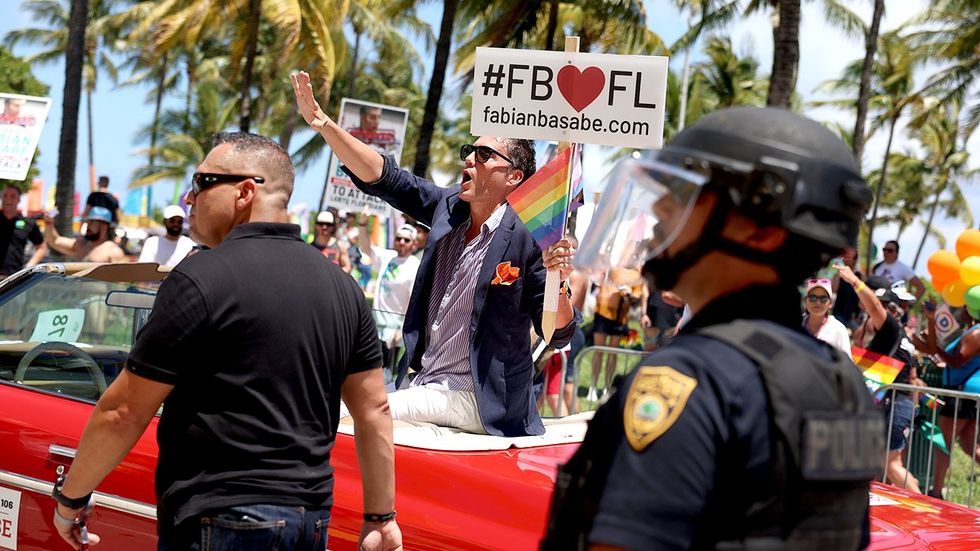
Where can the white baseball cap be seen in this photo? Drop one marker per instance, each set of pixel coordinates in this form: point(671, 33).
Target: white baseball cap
point(325, 217)
point(173, 211)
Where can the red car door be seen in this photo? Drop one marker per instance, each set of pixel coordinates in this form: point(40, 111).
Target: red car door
point(39, 431)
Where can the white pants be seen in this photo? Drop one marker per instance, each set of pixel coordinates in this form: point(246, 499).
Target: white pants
point(430, 404)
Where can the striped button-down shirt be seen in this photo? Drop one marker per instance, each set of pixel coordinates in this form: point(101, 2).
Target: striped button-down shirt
point(446, 361)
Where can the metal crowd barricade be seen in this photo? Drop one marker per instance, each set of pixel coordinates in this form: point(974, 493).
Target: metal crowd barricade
point(631, 357)
point(924, 443)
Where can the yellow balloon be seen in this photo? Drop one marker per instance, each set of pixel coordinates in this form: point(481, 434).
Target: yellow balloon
point(955, 294)
point(970, 271)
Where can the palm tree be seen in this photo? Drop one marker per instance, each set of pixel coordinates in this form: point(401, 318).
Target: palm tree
point(952, 35)
point(68, 144)
point(892, 92)
point(436, 82)
point(944, 145)
point(728, 79)
point(99, 34)
point(302, 32)
point(864, 90)
point(902, 202)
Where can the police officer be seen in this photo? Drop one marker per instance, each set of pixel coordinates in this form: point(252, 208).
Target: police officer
point(743, 432)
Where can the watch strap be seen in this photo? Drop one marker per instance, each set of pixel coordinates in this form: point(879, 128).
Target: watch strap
point(70, 503)
point(371, 517)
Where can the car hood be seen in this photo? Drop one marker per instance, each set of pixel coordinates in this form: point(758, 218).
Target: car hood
point(903, 520)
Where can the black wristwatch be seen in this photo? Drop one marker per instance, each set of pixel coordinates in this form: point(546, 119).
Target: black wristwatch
point(76, 503)
point(371, 517)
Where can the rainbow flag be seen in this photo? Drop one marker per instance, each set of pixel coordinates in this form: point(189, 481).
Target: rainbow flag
point(931, 401)
point(578, 184)
point(876, 367)
point(541, 202)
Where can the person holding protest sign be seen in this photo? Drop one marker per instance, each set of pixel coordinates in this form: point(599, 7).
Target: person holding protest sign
point(480, 285)
point(703, 446)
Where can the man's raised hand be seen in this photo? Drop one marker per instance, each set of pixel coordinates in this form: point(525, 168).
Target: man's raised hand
point(307, 104)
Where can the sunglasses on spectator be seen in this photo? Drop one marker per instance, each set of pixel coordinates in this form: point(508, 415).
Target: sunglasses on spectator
point(483, 153)
point(201, 181)
point(325, 224)
point(403, 239)
point(822, 299)
point(887, 250)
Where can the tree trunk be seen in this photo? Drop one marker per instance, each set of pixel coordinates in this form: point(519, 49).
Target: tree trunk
point(785, 54)
point(881, 185)
point(352, 73)
point(189, 100)
point(685, 83)
point(864, 92)
point(435, 88)
point(552, 25)
point(68, 144)
point(91, 141)
point(286, 135)
point(932, 216)
point(255, 15)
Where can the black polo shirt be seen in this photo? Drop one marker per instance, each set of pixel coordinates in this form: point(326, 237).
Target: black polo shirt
point(14, 234)
point(257, 336)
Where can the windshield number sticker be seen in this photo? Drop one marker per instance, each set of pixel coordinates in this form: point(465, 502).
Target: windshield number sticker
point(59, 325)
point(9, 513)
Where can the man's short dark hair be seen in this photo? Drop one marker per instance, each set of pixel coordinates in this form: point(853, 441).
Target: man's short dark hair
point(892, 242)
point(103, 182)
point(521, 151)
point(265, 152)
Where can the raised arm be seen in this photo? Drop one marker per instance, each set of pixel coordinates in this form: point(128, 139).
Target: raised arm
point(364, 162)
point(876, 312)
point(64, 245)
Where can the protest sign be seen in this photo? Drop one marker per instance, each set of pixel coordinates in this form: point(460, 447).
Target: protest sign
point(383, 128)
point(574, 97)
point(20, 129)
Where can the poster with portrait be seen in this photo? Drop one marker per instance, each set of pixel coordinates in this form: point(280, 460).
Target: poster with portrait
point(380, 126)
point(21, 121)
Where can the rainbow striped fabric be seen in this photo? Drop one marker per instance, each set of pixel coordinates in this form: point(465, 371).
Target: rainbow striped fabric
point(876, 367)
point(541, 202)
point(930, 401)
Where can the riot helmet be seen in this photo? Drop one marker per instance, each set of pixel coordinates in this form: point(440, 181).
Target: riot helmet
point(771, 165)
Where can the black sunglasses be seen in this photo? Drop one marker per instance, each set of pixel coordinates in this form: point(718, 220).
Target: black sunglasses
point(403, 239)
point(818, 298)
point(889, 250)
point(483, 153)
point(201, 181)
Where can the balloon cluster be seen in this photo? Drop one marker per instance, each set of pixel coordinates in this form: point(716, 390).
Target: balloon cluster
point(957, 275)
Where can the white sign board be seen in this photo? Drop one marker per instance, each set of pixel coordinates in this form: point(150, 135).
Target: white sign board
point(383, 128)
point(20, 129)
point(9, 513)
point(59, 325)
point(584, 98)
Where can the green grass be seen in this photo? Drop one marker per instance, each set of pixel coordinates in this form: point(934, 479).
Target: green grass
point(959, 481)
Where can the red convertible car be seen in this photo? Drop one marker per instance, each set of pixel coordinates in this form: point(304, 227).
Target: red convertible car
point(66, 331)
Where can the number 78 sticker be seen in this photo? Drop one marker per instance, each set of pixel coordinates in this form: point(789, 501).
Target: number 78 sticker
point(59, 325)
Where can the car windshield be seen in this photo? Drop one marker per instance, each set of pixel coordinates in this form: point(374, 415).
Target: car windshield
point(60, 333)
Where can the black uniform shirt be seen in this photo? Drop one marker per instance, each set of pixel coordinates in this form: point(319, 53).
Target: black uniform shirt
point(14, 234)
point(693, 482)
point(257, 336)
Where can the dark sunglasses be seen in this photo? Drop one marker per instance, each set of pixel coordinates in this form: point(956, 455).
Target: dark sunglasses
point(483, 153)
point(818, 298)
point(890, 250)
point(201, 181)
point(325, 224)
point(403, 239)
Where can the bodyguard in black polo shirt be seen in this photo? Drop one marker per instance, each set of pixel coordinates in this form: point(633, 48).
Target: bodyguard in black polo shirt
point(249, 346)
point(15, 232)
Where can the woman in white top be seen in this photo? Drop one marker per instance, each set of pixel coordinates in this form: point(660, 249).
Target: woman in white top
point(818, 321)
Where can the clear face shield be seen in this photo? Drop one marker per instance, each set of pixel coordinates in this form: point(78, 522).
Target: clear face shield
point(644, 206)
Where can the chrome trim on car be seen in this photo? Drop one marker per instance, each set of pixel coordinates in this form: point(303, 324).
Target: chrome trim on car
point(115, 503)
point(62, 451)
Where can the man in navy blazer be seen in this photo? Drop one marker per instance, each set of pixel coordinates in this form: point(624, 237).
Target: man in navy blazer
point(479, 288)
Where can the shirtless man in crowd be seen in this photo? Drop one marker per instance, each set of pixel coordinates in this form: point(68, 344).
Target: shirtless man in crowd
point(94, 246)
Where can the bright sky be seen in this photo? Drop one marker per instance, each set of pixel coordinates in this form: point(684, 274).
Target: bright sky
point(824, 51)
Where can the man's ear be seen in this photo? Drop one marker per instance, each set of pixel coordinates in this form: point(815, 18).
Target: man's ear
point(246, 194)
point(514, 178)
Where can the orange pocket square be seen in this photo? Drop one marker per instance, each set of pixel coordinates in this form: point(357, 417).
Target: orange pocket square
point(505, 274)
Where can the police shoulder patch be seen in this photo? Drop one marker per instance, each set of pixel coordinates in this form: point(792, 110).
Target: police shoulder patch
point(655, 400)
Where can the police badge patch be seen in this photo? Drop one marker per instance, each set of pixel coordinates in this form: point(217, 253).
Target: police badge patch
point(655, 400)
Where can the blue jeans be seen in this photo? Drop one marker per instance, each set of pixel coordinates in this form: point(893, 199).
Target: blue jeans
point(269, 527)
point(900, 423)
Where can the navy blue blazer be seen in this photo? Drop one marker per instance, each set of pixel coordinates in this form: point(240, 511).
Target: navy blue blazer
point(500, 350)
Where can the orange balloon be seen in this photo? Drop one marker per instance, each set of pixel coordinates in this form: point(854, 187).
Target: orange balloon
point(944, 266)
point(968, 244)
point(955, 294)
